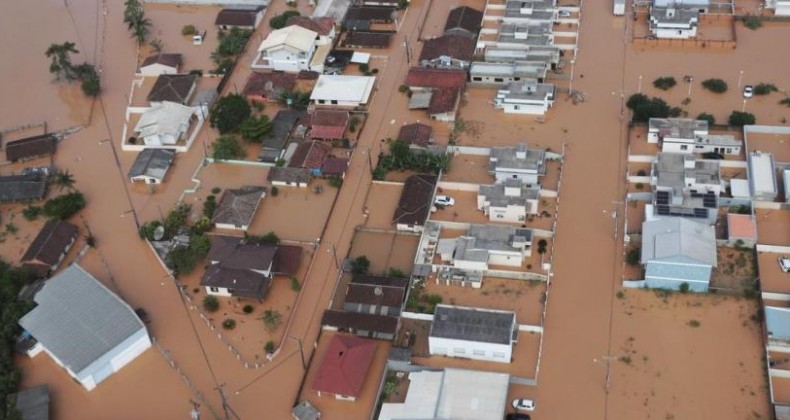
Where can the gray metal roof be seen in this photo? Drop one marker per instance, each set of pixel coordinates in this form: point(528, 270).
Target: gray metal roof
point(473, 324)
point(777, 323)
point(78, 319)
point(519, 157)
point(669, 237)
point(502, 195)
point(152, 163)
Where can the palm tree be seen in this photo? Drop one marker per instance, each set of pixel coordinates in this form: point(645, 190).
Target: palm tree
point(141, 27)
point(61, 62)
point(157, 45)
point(255, 129)
point(295, 99)
point(64, 179)
point(132, 12)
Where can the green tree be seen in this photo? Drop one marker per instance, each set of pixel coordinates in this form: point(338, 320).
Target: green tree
point(229, 112)
point(633, 256)
point(227, 148)
point(765, 89)
point(64, 180)
point(231, 43)
point(177, 218)
point(643, 108)
point(64, 206)
point(739, 119)
point(141, 29)
point(542, 244)
point(294, 99)
point(665, 83)
point(157, 45)
point(91, 82)
point(270, 238)
point(360, 265)
point(254, 129)
point(715, 85)
point(210, 303)
point(272, 319)
point(707, 117)
point(188, 30)
point(269, 347)
point(60, 64)
point(209, 205)
point(279, 21)
point(295, 285)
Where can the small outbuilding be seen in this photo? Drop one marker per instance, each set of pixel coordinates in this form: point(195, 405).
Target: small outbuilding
point(340, 90)
point(159, 64)
point(151, 166)
point(30, 148)
point(240, 17)
point(49, 247)
point(237, 207)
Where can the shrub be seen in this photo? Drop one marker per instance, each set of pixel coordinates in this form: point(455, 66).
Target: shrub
point(542, 246)
point(694, 323)
point(216, 190)
point(684, 287)
point(31, 213)
point(715, 85)
point(210, 303)
point(396, 272)
point(633, 257)
point(336, 181)
point(271, 319)
point(739, 119)
point(644, 108)
point(279, 21)
point(620, 294)
point(295, 285)
point(707, 117)
point(209, 205)
point(269, 347)
point(188, 30)
point(229, 324)
point(229, 112)
point(752, 22)
point(64, 206)
point(254, 129)
point(227, 148)
point(403, 89)
point(270, 238)
point(785, 101)
point(639, 185)
point(764, 89)
point(247, 309)
point(665, 83)
point(360, 265)
point(275, 191)
point(147, 230)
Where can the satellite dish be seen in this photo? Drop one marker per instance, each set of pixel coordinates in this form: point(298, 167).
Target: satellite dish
point(378, 291)
point(159, 233)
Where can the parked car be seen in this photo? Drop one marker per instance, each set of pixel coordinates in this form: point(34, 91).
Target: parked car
point(564, 13)
point(523, 404)
point(748, 91)
point(444, 201)
point(517, 416)
point(784, 264)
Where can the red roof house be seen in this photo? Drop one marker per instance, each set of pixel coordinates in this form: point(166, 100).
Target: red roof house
point(344, 366)
point(328, 124)
point(269, 85)
point(335, 166)
point(310, 155)
point(419, 77)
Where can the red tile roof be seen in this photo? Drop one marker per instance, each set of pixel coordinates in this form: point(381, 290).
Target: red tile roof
point(455, 46)
point(335, 166)
point(444, 100)
point(435, 78)
point(269, 85)
point(310, 154)
point(417, 134)
point(741, 226)
point(321, 25)
point(328, 124)
point(344, 366)
point(170, 60)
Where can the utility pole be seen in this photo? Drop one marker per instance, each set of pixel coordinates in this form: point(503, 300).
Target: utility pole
point(408, 51)
point(301, 352)
point(608, 360)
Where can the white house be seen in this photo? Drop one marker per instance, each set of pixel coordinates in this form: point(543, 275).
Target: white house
point(237, 207)
point(159, 64)
point(678, 250)
point(151, 166)
point(472, 333)
point(685, 135)
point(485, 245)
point(452, 394)
point(762, 176)
point(674, 21)
point(619, 7)
point(287, 49)
point(525, 97)
point(529, 11)
point(340, 90)
point(519, 162)
point(500, 74)
point(510, 201)
point(780, 7)
point(165, 124)
point(685, 186)
point(84, 327)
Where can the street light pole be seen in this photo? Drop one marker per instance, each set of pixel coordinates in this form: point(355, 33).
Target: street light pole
point(640, 84)
point(301, 352)
point(740, 78)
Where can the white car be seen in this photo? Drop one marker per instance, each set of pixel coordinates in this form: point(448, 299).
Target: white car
point(784, 264)
point(444, 201)
point(523, 404)
point(748, 91)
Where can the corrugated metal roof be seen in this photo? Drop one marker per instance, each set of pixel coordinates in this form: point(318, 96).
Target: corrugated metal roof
point(78, 319)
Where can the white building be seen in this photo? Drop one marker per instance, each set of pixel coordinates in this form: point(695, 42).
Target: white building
point(165, 124)
point(486, 245)
point(786, 179)
point(676, 19)
point(780, 7)
point(529, 11)
point(619, 7)
point(151, 166)
point(84, 327)
point(685, 186)
point(519, 162)
point(499, 74)
point(345, 91)
point(511, 201)
point(685, 135)
point(525, 97)
point(287, 49)
point(472, 333)
point(159, 64)
point(762, 176)
point(677, 250)
point(452, 394)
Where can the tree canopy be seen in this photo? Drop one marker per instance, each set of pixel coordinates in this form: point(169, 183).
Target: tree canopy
point(229, 112)
point(227, 148)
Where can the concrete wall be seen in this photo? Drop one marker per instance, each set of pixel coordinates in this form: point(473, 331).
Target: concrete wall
point(464, 150)
point(470, 349)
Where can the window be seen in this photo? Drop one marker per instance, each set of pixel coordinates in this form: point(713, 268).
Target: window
point(684, 147)
point(498, 79)
point(516, 107)
point(214, 289)
point(459, 350)
point(479, 352)
point(499, 355)
point(477, 79)
point(321, 101)
point(334, 102)
point(499, 216)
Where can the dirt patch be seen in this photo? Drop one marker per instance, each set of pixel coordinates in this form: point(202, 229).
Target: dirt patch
point(736, 271)
point(381, 203)
point(385, 251)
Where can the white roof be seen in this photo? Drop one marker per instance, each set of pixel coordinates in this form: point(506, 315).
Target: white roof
point(296, 37)
point(740, 188)
point(761, 173)
point(456, 394)
point(360, 57)
point(665, 238)
point(168, 118)
point(343, 88)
